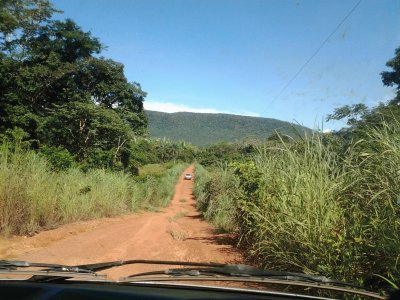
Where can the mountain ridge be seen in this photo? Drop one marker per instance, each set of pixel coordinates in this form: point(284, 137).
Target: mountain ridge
point(203, 129)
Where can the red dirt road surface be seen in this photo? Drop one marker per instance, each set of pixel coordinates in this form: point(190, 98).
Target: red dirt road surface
point(175, 233)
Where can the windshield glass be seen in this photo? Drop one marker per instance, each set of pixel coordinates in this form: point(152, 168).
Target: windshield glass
point(264, 133)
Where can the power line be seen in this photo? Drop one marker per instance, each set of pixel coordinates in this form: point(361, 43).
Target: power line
point(315, 53)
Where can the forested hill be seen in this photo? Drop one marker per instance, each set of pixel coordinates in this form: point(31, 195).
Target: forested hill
point(204, 129)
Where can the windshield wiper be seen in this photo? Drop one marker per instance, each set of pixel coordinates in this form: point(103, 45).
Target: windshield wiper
point(15, 264)
point(56, 272)
point(48, 272)
point(207, 272)
point(212, 269)
point(244, 273)
point(112, 264)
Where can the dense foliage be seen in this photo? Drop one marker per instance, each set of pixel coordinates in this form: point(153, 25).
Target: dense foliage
point(303, 207)
point(216, 194)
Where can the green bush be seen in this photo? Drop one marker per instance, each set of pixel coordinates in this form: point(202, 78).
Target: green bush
point(58, 157)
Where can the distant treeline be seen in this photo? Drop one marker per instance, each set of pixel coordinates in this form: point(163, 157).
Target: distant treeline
point(202, 129)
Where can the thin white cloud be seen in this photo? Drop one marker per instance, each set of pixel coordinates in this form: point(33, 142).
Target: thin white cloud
point(169, 107)
point(172, 107)
point(248, 113)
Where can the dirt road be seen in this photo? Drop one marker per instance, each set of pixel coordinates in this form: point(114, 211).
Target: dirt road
point(175, 233)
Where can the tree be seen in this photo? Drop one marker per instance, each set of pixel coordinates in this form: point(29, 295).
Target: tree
point(392, 78)
point(96, 136)
point(55, 89)
point(19, 19)
point(353, 113)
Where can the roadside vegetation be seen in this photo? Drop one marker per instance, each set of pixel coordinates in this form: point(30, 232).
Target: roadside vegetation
point(327, 203)
point(304, 207)
point(33, 197)
point(215, 196)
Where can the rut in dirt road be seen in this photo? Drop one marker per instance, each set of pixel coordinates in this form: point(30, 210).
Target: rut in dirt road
point(175, 233)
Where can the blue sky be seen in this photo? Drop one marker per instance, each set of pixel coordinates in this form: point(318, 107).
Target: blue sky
point(235, 56)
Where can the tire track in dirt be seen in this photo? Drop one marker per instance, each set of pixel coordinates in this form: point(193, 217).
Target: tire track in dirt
point(175, 233)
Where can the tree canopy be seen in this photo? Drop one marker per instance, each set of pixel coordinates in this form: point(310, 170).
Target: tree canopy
point(60, 92)
point(392, 78)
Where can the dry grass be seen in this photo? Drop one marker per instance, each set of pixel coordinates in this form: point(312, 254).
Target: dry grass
point(177, 216)
point(178, 235)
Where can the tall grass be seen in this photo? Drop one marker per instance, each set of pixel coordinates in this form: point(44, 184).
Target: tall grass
point(216, 196)
point(32, 197)
point(296, 210)
point(304, 206)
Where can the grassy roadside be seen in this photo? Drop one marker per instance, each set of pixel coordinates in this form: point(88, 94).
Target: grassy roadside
point(215, 194)
point(33, 198)
point(308, 207)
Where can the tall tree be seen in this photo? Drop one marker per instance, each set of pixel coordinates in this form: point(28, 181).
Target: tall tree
point(56, 89)
point(96, 135)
